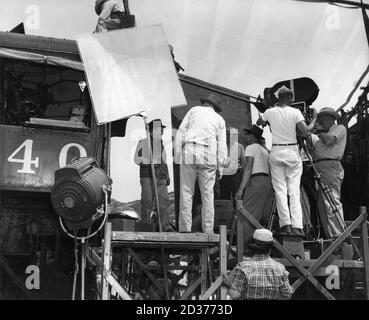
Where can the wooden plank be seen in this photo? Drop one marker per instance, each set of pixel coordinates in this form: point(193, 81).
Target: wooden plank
point(330, 249)
point(190, 289)
point(223, 259)
point(116, 286)
point(233, 231)
point(364, 235)
point(239, 238)
point(93, 258)
point(204, 270)
point(246, 215)
point(210, 268)
point(165, 237)
point(124, 262)
point(164, 264)
point(106, 261)
point(218, 282)
point(158, 245)
point(344, 264)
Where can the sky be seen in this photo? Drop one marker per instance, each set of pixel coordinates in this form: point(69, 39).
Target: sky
point(243, 45)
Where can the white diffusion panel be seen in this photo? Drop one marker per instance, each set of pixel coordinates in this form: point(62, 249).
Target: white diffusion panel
point(129, 71)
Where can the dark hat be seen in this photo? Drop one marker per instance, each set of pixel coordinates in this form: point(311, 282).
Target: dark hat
point(98, 6)
point(255, 130)
point(214, 100)
point(151, 124)
point(328, 111)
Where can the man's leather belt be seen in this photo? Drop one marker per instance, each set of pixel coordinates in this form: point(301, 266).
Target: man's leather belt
point(198, 144)
point(284, 144)
point(326, 159)
point(260, 174)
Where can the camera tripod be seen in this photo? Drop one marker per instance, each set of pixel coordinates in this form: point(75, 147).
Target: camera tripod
point(326, 190)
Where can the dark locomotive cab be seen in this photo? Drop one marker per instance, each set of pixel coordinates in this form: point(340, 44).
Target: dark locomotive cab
point(39, 94)
point(46, 121)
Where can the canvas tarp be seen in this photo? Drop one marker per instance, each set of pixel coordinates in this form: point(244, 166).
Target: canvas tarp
point(40, 58)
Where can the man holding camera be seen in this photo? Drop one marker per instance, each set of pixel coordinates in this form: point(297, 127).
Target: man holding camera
point(284, 160)
point(328, 149)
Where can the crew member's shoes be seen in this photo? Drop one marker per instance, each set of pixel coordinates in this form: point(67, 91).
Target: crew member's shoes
point(298, 232)
point(285, 230)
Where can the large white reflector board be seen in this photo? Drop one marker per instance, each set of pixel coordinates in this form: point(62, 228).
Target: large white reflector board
point(129, 71)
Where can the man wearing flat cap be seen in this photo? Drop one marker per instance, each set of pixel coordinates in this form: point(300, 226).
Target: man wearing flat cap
point(285, 161)
point(256, 188)
point(200, 149)
point(159, 158)
point(328, 149)
point(259, 277)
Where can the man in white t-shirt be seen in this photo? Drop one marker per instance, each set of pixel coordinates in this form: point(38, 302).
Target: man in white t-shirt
point(328, 148)
point(255, 189)
point(284, 160)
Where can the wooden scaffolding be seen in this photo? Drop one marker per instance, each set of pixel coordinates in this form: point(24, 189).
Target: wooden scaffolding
point(195, 244)
point(309, 270)
point(203, 286)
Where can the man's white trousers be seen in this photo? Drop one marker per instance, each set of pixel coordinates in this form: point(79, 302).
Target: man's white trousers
point(206, 179)
point(286, 170)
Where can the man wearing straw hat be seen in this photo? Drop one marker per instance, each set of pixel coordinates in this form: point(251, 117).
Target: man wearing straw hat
point(328, 149)
point(200, 148)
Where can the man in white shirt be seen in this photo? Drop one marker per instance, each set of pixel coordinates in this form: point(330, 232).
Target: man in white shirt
point(255, 189)
point(284, 160)
point(200, 148)
point(109, 12)
point(328, 149)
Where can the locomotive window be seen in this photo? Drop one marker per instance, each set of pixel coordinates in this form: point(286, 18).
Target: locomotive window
point(33, 93)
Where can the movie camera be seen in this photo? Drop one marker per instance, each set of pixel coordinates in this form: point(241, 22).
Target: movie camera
point(305, 91)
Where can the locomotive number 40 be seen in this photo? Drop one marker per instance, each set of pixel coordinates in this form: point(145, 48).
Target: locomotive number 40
point(29, 163)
